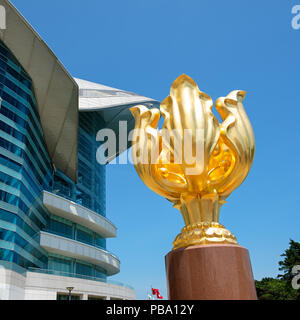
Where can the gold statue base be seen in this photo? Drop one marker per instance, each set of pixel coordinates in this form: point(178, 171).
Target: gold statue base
point(204, 233)
point(210, 272)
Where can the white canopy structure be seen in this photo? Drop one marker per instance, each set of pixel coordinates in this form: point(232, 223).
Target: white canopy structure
point(113, 105)
point(58, 96)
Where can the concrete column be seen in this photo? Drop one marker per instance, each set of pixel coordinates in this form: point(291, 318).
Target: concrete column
point(85, 296)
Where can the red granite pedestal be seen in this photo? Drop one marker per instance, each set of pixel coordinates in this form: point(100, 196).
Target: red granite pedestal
point(210, 272)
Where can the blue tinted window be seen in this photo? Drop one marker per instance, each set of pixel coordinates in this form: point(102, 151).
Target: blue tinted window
point(62, 265)
point(84, 236)
point(63, 187)
point(84, 269)
point(59, 264)
point(90, 190)
point(13, 218)
point(59, 227)
point(100, 242)
point(21, 182)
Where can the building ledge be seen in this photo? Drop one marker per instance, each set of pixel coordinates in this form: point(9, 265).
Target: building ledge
point(70, 210)
point(74, 249)
point(78, 276)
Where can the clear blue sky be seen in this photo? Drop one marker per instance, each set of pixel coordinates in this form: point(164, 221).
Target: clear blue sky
point(143, 46)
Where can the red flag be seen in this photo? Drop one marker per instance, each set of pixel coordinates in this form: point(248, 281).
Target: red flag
point(156, 293)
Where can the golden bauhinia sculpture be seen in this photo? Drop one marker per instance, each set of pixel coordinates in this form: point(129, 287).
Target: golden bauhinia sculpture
point(194, 161)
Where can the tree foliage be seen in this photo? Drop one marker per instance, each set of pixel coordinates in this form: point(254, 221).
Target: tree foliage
point(291, 259)
point(280, 288)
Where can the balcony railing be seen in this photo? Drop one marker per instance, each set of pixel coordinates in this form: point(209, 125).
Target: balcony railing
point(75, 275)
point(72, 237)
point(81, 242)
point(86, 217)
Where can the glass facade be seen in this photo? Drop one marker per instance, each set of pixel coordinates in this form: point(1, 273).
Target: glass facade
point(25, 167)
point(71, 230)
point(65, 297)
point(66, 266)
point(88, 192)
point(90, 189)
point(26, 170)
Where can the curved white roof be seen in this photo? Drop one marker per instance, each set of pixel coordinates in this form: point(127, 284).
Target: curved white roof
point(113, 105)
point(55, 90)
point(94, 97)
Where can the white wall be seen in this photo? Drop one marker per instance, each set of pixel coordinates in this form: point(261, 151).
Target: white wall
point(12, 285)
point(44, 286)
point(38, 286)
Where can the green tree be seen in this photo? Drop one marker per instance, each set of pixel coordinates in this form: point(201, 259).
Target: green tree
point(270, 289)
point(280, 288)
point(291, 259)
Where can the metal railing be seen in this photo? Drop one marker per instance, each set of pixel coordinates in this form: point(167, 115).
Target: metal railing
point(75, 275)
point(50, 232)
point(69, 199)
point(72, 237)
